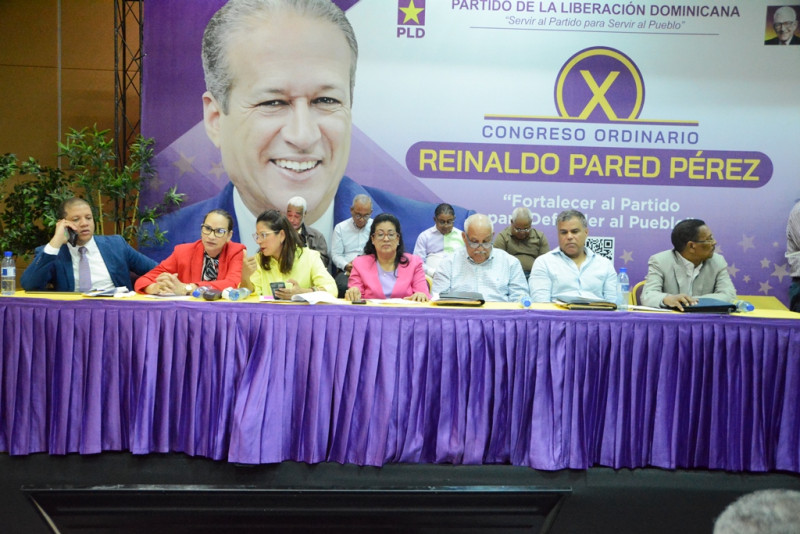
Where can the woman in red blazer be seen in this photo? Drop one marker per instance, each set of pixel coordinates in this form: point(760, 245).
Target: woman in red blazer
point(385, 271)
point(212, 261)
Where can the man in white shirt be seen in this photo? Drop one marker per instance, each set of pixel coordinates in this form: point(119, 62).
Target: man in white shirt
point(572, 270)
point(349, 238)
point(89, 262)
point(478, 267)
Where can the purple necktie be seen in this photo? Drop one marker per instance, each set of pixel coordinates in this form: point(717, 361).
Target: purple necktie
point(84, 272)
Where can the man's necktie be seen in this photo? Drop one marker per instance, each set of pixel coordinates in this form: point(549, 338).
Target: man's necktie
point(84, 272)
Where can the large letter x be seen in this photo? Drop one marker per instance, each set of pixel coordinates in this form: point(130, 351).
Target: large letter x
point(598, 98)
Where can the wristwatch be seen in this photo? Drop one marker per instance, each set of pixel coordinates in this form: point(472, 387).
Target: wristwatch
point(189, 289)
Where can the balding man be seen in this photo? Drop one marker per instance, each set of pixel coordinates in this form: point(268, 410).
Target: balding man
point(479, 267)
point(311, 237)
point(784, 21)
point(349, 238)
point(521, 240)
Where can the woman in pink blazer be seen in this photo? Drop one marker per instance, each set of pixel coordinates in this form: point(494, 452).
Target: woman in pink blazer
point(212, 261)
point(385, 271)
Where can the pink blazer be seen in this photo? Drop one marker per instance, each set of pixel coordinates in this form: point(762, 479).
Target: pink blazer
point(187, 261)
point(410, 278)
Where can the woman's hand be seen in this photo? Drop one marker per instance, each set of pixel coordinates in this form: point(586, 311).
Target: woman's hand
point(170, 284)
point(249, 266)
point(418, 297)
point(352, 293)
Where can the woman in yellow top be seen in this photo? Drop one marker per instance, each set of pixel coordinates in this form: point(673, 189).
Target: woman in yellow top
point(282, 258)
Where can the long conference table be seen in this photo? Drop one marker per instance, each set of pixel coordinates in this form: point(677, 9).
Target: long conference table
point(254, 383)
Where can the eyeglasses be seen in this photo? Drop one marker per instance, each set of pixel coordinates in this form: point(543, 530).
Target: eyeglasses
point(388, 235)
point(709, 241)
point(361, 217)
point(526, 229)
point(262, 235)
point(207, 230)
point(474, 244)
point(784, 25)
point(445, 222)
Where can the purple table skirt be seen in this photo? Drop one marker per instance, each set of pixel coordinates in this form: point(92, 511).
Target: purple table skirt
point(261, 383)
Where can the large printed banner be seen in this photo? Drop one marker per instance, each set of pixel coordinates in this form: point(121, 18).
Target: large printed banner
point(637, 114)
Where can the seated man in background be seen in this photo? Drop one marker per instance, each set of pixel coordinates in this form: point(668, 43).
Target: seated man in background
point(676, 278)
point(521, 240)
point(95, 262)
point(572, 270)
point(349, 238)
point(440, 239)
point(478, 267)
point(311, 237)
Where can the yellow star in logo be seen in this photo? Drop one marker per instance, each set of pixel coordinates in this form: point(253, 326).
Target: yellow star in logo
point(411, 12)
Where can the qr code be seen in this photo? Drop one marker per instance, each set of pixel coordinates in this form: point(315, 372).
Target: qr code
point(602, 245)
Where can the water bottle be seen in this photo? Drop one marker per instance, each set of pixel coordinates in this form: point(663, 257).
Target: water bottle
point(234, 294)
point(9, 270)
point(743, 306)
point(623, 288)
point(197, 293)
point(525, 301)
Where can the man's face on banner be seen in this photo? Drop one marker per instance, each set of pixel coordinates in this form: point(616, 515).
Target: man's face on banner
point(287, 130)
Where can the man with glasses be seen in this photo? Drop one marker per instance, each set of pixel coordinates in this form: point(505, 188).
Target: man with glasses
point(521, 240)
point(349, 238)
point(677, 278)
point(572, 270)
point(479, 267)
point(784, 21)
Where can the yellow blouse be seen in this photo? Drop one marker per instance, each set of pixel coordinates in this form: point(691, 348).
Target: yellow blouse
point(308, 271)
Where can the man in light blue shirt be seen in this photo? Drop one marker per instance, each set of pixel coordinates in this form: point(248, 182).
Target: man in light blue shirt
point(572, 270)
point(349, 238)
point(479, 267)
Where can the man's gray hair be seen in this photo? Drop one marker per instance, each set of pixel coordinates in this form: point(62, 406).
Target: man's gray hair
point(523, 212)
point(566, 215)
point(237, 15)
point(298, 202)
point(478, 218)
point(361, 199)
point(772, 511)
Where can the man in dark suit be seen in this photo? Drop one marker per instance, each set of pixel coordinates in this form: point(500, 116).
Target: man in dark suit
point(785, 23)
point(676, 278)
point(279, 79)
point(92, 262)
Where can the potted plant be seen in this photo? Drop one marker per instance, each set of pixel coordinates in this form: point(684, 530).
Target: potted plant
point(32, 193)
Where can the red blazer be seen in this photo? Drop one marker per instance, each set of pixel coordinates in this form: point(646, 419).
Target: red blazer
point(410, 278)
point(187, 261)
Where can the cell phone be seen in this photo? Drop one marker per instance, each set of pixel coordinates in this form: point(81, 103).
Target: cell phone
point(275, 286)
point(72, 236)
point(359, 301)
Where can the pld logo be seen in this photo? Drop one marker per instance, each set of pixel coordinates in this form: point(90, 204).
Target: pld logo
point(411, 19)
point(599, 85)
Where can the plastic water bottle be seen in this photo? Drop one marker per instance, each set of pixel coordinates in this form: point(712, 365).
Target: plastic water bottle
point(743, 306)
point(234, 294)
point(623, 288)
point(9, 269)
point(197, 293)
point(525, 301)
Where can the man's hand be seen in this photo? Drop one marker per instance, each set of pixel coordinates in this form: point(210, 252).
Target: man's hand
point(679, 301)
point(348, 267)
point(60, 236)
